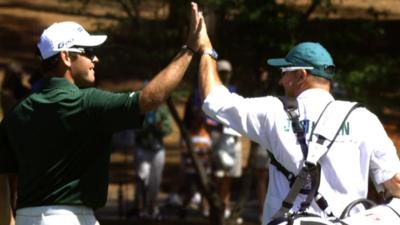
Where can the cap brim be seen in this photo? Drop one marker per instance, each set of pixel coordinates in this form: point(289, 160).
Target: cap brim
point(279, 62)
point(92, 40)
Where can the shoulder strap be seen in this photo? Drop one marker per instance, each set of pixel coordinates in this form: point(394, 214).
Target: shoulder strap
point(326, 132)
point(310, 171)
point(291, 107)
point(328, 128)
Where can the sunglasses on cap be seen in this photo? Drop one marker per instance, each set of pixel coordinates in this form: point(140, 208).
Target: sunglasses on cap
point(294, 68)
point(329, 69)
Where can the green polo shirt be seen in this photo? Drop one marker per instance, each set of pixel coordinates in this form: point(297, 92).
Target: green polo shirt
point(58, 142)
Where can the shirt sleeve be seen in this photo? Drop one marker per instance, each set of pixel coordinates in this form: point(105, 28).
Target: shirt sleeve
point(8, 162)
point(248, 116)
point(114, 111)
point(384, 159)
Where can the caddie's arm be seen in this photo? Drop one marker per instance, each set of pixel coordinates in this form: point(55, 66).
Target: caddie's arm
point(393, 185)
point(161, 86)
point(208, 74)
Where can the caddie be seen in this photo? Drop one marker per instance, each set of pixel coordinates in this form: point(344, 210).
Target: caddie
point(361, 150)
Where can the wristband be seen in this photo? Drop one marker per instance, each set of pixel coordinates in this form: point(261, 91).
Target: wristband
point(212, 53)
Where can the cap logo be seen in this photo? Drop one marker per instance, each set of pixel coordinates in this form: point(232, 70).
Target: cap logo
point(65, 43)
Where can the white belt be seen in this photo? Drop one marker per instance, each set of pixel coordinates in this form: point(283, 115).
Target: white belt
point(55, 210)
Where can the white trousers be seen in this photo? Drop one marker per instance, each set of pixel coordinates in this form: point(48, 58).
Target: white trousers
point(56, 215)
point(149, 166)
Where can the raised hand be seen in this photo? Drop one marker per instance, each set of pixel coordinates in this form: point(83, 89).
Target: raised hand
point(194, 28)
point(198, 39)
point(204, 40)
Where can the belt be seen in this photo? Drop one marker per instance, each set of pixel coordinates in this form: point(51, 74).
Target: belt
point(55, 210)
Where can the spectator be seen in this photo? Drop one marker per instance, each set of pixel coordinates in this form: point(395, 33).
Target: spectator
point(195, 122)
point(5, 202)
point(149, 161)
point(260, 160)
point(227, 148)
point(15, 86)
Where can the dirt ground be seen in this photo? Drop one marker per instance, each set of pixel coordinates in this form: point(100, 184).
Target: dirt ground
point(22, 21)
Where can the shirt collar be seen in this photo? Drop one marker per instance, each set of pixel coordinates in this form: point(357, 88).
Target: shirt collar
point(58, 82)
point(315, 93)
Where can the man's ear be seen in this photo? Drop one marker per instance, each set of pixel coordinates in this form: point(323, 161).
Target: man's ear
point(66, 58)
point(301, 74)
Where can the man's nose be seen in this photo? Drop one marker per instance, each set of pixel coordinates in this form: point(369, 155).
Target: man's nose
point(95, 59)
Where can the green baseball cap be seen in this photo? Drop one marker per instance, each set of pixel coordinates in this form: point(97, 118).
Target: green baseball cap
point(308, 54)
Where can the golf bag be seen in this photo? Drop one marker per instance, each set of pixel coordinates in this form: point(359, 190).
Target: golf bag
point(385, 214)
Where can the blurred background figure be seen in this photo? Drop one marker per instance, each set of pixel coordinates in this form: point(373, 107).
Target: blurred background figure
point(259, 157)
point(15, 85)
point(195, 122)
point(2, 76)
point(6, 211)
point(149, 160)
point(227, 147)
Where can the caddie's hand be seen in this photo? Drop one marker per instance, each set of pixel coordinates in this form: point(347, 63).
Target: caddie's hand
point(205, 43)
point(194, 28)
point(393, 185)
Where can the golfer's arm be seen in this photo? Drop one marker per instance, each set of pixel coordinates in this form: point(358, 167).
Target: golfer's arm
point(6, 215)
point(161, 86)
point(208, 75)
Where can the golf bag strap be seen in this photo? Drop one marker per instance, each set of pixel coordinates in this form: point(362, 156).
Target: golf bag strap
point(287, 204)
point(307, 179)
point(327, 129)
point(291, 177)
point(310, 169)
point(291, 107)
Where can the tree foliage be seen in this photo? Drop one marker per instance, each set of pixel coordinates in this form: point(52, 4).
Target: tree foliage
point(249, 32)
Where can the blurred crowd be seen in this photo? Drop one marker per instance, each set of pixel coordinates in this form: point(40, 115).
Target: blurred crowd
point(218, 148)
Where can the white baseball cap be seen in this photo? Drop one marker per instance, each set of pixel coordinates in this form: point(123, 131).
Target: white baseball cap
point(62, 36)
point(224, 65)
